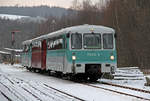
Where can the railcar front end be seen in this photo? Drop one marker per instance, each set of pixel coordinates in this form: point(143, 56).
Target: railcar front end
point(92, 54)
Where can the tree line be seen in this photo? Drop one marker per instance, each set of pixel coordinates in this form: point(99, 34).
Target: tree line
point(27, 27)
point(26, 31)
point(34, 11)
point(130, 19)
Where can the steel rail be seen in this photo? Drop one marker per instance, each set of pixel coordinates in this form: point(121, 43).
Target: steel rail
point(131, 88)
point(9, 99)
point(64, 93)
point(51, 88)
point(116, 91)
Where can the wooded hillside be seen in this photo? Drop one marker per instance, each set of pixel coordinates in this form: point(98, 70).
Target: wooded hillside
point(130, 19)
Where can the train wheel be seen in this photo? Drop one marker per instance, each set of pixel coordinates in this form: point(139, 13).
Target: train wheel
point(71, 77)
point(27, 68)
point(93, 78)
point(78, 78)
point(49, 73)
point(59, 74)
point(34, 70)
point(85, 78)
point(41, 71)
point(30, 69)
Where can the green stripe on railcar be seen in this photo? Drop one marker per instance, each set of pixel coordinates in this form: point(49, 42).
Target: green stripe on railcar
point(95, 56)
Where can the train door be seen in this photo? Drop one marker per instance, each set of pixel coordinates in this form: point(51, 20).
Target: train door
point(60, 54)
point(60, 60)
point(36, 54)
point(29, 55)
point(44, 47)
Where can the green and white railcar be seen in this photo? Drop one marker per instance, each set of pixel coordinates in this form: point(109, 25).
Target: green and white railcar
point(87, 50)
point(26, 54)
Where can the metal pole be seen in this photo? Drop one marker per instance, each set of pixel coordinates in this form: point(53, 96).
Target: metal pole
point(12, 46)
point(53, 25)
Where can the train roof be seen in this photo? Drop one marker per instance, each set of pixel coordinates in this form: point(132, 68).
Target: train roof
point(74, 29)
point(26, 42)
point(82, 29)
point(3, 52)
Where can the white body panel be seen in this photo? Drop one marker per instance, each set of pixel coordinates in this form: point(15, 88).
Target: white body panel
point(54, 63)
point(26, 61)
point(108, 69)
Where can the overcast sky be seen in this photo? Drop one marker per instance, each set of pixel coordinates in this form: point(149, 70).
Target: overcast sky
point(60, 3)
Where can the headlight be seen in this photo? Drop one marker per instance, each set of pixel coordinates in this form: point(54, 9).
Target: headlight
point(73, 57)
point(112, 57)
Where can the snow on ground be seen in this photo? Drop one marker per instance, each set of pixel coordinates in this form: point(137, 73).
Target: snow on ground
point(20, 90)
point(4, 52)
point(129, 76)
point(2, 98)
point(148, 76)
point(34, 83)
point(23, 19)
point(127, 91)
point(12, 17)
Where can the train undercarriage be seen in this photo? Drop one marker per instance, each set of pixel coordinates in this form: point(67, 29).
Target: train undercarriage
point(92, 73)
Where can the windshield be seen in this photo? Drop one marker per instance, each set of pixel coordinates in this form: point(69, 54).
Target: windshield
point(92, 41)
point(76, 41)
point(107, 41)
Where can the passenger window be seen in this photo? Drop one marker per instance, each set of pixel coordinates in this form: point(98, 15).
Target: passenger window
point(54, 44)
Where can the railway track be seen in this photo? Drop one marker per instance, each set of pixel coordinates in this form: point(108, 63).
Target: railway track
point(34, 95)
point(115, 85)
point(43, 89)
point(120, 92)
point(10, 92)
point(64, 93)
point(48, 86)
point(13, 81)
point(131, 88)
point(8, 98)
point(17, 91)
